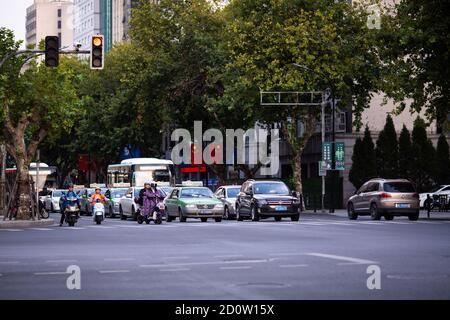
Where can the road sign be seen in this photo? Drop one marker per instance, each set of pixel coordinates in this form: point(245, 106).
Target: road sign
point(326, 151)
point(339, 152)
point(322, 169)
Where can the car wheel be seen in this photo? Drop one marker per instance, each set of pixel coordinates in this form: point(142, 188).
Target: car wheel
point(388, 217)
point(226, 213)
point(238, 214)
point(111, 212)
point(168, 216)
point(278, 219)
point(122, 216)
point(218, 219)
point(204, 219)
point(352, 215)
point(254, 213)
point(52, 209)
point(180, 214)
point(295, 217)
point(140, 219)
point(414, 216)
point(374, 213)
point(133, 214)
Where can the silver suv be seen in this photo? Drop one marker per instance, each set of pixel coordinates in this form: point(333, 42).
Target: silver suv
point(384, 197)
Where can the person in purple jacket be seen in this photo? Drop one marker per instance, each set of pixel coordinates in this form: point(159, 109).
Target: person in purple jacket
point(150, 197)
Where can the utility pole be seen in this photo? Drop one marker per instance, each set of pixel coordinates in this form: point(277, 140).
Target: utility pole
point(3, 180)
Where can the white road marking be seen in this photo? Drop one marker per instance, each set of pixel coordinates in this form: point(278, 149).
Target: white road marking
point(292, 265)
point(168, 258)
point(12, 230)
point(286, 254)
point(49, 273)
point(114, 271)
point(343, 258)
point(119, 259)
point(9, 262)
point(174, 270)
point(42, 229)
point(125, 226)
point(61, 261)
point(73, 228)
point(229, 256)
point(380, 223)
point(201, 263)
point(101, 227)
point(235, 268)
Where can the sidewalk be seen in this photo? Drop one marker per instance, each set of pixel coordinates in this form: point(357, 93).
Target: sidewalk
point(16, 224)
point(342, 213)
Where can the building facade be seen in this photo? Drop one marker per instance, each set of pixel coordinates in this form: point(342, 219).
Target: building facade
point(86, 21)
point(49, 18)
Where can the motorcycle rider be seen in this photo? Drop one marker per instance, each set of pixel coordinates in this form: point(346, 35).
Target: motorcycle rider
point(149, 198)
point(97, 196)
point(70, 194)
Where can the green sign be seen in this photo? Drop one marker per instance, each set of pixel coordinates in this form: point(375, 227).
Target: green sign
point(339, 154)
point(326, 151)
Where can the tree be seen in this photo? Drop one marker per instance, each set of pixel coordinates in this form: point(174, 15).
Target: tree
point(34, 103)
point(363, 160)
point(404, 154)
point(331, 39)
point(442, 161)
point(387, 151)
point(414, 46)
point(423, 157)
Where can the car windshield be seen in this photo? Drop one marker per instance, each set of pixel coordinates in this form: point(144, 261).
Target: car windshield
point(118, 193)
point(398, 187)
point(271, 188)
point(232, 192)
point(57, 194)
point(196, 193)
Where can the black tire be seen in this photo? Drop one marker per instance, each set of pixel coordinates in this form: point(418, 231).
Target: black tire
point(374, 212)
point(158, 221)
point(169, 218)
point(111, 212)
point(140, 219)
point(52, 208)
point(180, 214)
point(134, 215)
point(218, 219)
point(352, 215)
point(71, 224)
point(388, 217)
point(122, 216)
point(254, 213)
point(147, 221)
point(226, 213)
point(278, 219)
point(414, 216)
point(295, 217)
point(204, 219)
point(238, 214)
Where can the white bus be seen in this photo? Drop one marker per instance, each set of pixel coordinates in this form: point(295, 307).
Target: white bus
point(135, 172)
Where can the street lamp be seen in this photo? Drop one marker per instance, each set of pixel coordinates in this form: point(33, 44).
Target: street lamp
point(333, 134)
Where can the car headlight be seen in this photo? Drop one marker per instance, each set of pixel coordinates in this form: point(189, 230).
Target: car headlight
point(262, 202)
point(219, 206)
point(191, 206)
point(296, 201)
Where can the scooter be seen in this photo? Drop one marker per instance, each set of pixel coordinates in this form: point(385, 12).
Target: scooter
point(156, 216)
point(98, 212)
point(72, 211)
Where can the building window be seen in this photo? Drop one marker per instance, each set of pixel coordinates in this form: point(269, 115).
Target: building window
point(59, 24)
point(59, 13)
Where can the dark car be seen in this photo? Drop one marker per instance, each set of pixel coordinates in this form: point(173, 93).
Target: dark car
point(263, 199)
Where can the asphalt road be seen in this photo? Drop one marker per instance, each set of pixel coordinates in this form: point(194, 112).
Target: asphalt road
point(320, 257)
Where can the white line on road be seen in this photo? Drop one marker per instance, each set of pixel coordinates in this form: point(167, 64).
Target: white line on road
point(114, 271)
point(184, 257)
point(61, 261)
point(235, 268)
point(42, 229)
point(49, 273)
point(174, 270)
point(12, 230)
point(229, 256)
point(119, 259)
point(293, 265)
point(9, 262)
point(73, 228)
point(201, 263)
point(125, 226)
point(101, 227)
point(287, 254)
point(343, 258)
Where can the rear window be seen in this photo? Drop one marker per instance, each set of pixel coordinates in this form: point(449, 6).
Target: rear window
point(398, 187)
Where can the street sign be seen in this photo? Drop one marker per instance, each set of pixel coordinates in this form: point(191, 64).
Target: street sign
point(339, 152)
point(322, 169)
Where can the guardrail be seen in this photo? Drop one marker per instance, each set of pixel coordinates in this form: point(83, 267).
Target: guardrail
point(437, 203)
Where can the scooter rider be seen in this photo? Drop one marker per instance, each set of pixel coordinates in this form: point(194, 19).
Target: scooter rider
point(150, 196)
point(69, 194)
point(97, 196)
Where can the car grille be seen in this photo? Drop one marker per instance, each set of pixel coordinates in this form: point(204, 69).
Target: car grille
point(205, 206)
point(279, 202)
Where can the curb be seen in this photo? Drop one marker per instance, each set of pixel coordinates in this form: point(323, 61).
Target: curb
point(11, 224)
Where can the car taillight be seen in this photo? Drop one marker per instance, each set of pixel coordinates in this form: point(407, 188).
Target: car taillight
point(385, 195)
point(415, 195)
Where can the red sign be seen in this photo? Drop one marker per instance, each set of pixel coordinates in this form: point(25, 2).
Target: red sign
point(83, 162)
point(194, 169)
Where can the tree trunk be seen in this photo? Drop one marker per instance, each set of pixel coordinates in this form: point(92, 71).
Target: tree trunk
point(297, 168)
point(23, 180)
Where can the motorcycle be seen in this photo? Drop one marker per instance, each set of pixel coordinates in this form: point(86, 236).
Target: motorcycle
point(98, 212)
point(155, 216)
point(43, 213)
point(72, 211)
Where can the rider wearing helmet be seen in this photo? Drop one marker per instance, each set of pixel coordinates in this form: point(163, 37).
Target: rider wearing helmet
point(70, 194)
point(97, 195)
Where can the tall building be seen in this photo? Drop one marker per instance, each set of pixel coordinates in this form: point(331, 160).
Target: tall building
point(49, 18)
point(86, 21)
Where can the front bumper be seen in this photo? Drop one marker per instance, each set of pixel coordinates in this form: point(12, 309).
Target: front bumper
point(203, 213)
point(270, 210)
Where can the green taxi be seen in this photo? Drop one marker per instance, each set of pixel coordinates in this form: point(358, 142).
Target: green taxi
point(193, 202)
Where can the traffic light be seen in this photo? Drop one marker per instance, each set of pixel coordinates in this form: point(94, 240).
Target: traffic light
point(97, 52)
point(52, 51)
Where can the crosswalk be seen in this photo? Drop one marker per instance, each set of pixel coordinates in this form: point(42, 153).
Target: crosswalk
point(306, 222)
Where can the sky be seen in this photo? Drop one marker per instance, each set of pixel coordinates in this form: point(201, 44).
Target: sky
point(12, 16)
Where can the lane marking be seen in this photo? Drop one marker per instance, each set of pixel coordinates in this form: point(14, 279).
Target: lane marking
point(292, 265)
point(119, 259)
point(201, 263)
point(113, 271)
point(229, 256)
point(235, 268)
point(49, 273)
point(286, 254)
point(73, 228)
point(174, 270)
point(12, 230)
point(9, 262)
point(101, 227)
point(342, 258)
point(61, 261)
point(42, 229)
point(125, 226)
point(168, 258)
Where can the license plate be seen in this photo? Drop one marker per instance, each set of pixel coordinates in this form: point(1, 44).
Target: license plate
point(280, 208)
point(206, 212)
point(402, 205)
